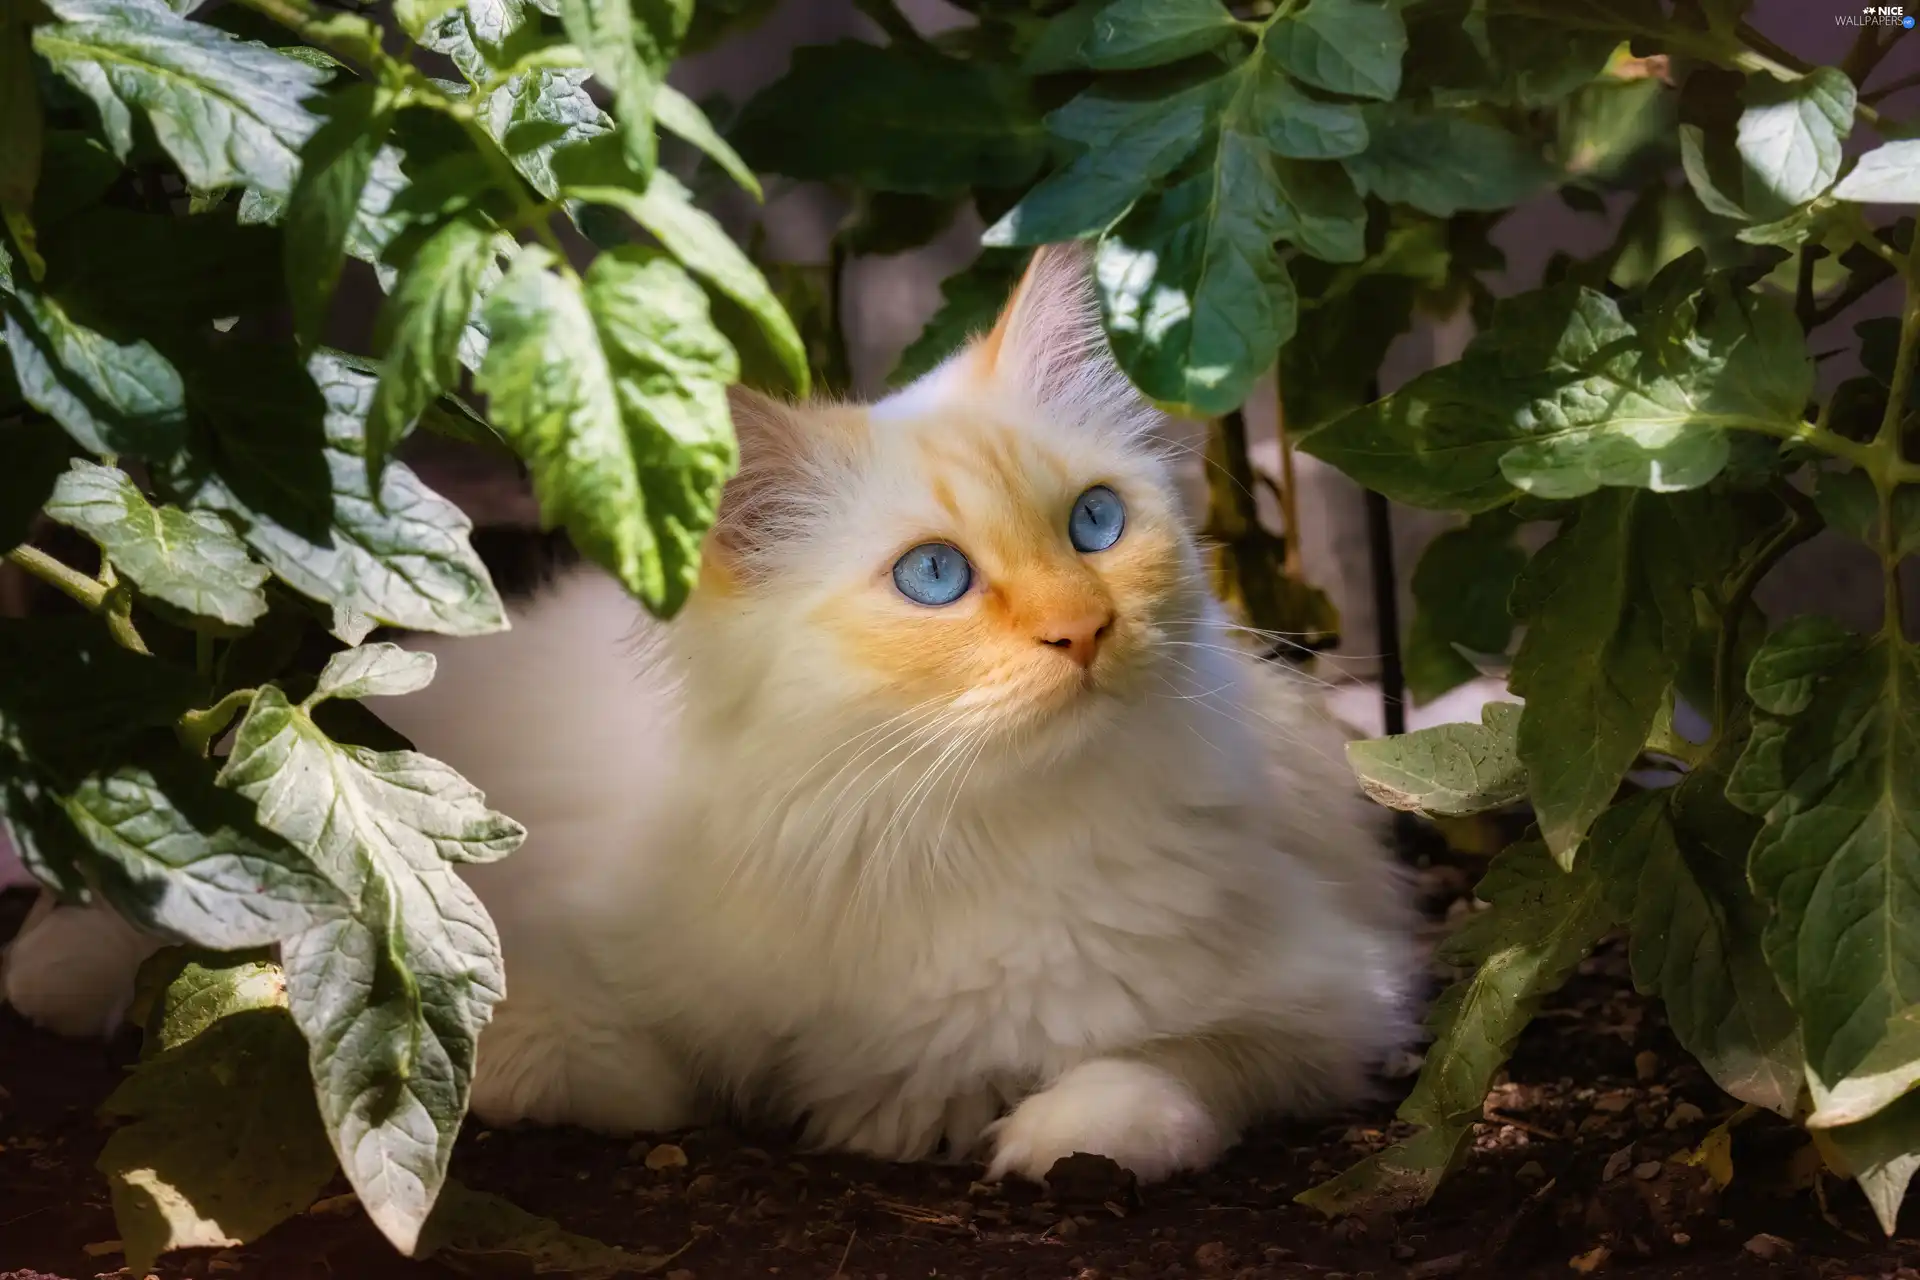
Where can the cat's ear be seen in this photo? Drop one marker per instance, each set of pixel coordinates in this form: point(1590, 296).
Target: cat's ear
point(1048, 343)
point(772, 452)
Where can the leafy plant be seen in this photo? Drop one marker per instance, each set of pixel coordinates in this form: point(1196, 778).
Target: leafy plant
point(1270, 189)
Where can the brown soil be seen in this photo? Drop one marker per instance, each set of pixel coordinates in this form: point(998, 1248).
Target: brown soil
point(1571, 1175)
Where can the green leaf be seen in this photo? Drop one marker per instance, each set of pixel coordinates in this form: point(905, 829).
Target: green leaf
point(181, 991)
point(1883, 1153)
point(202, 1163)
point(1674, 864)
point(421, 328)
point(487, 1232)
point(1433, 667)
point(1789, 137)
point(1451, 770)
point(615, 394)
point(1463, 581)
point(1195, 301)
point(391, 999)
point(679, 115)
point(373, 671)
point(111, 397)
point(971, 300)
point(1443, 161)
point(889, 121)
point(1832, 768)
point(1346, 46)
point(36, 452)
point(1562, 396)
point(416, 16)
point(151, 273)
point(226, 110)
point(1888, 174)
point(666, 209)
point(1539, 924)
point(629, 44)
point(1129, 145)
point(1057, 47)
point(300, 498)
point(187, 860)
point(72, 701)
point(1130, 34)
point(1303, 127)
point(325, 203)
point(1608, 618)
point(535, 115)
point(190, 559)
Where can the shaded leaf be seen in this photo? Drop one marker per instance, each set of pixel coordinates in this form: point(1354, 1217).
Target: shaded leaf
point(300, 499)
point(227, 111)
point(1451, 770)
point(1303, 127)
point(20, 117)
point(190, 559)
point(970, 302)
point(36, 452)
point(202, 1163)
point(615, 394)
point(1347, 46)
point(1539, 924)
point(882, 119)
point(325, 202)
point(111, 397)
point(1832, 768)
point(479, 1229)
point(1444, 161)
point(1130, 34)
point(1883, 1153)
point(678, 114)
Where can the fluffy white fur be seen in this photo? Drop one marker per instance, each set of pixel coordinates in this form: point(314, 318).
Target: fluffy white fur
point(761, 879)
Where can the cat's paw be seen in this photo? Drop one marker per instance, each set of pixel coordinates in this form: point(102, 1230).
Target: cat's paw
point(71, 969)
point(1137, 1115)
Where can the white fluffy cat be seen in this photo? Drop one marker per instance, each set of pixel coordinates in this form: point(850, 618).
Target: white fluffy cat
point(948, 816)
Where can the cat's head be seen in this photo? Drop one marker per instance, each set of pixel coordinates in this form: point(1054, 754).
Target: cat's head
point(998, 548)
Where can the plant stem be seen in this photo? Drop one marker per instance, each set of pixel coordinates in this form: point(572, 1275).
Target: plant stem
point(197, 729)
point(87, 591)
point(1889, 452)
point(1888, 90)
point(118, 612)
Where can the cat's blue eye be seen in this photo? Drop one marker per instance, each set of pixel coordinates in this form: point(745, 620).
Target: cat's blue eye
point(1098, 520)
point(933, 573)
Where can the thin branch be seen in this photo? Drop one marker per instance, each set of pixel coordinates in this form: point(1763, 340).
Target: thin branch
point(87, 591)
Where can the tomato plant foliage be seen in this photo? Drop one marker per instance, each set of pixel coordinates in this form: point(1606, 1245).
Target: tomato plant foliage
point(1269, 188)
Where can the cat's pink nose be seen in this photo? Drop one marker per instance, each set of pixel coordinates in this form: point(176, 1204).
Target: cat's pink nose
point(1080, 638)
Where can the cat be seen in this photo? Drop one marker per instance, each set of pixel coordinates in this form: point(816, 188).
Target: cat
point(948, 819)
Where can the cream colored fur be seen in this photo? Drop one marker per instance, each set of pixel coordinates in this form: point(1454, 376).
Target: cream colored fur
point(1020, 919)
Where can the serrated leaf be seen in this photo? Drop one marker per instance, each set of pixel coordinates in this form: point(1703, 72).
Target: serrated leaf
point(1444, 161)
point(36, 452)
point(203, 1164)
point(666, 210)
point(1888, 174)
point(1463, 581)
point(1346, 46)
point(1789, 137)
point(335, 164)
point(1128, 35)
point(392, 999)
point(421, 328)
point(1299, 126)
point(1674, 863)
point(186, 860)
point(190, 559)
point(1832, 769)
point(888, 121)
point(1129, 145)
point(1539, 924)
point(615, 394)
point(1194, 298)
point(970, 302)
point(534, 115)
point(678, 114)
point(1451, 770)
point(373, 671)
point(1608, 619)
point(1563, 396)
point(300, 499)
point(111, 397)
point(228, 112)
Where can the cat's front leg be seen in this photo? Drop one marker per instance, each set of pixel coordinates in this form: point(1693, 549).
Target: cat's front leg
point(70, 969)
point(1177, 1104)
